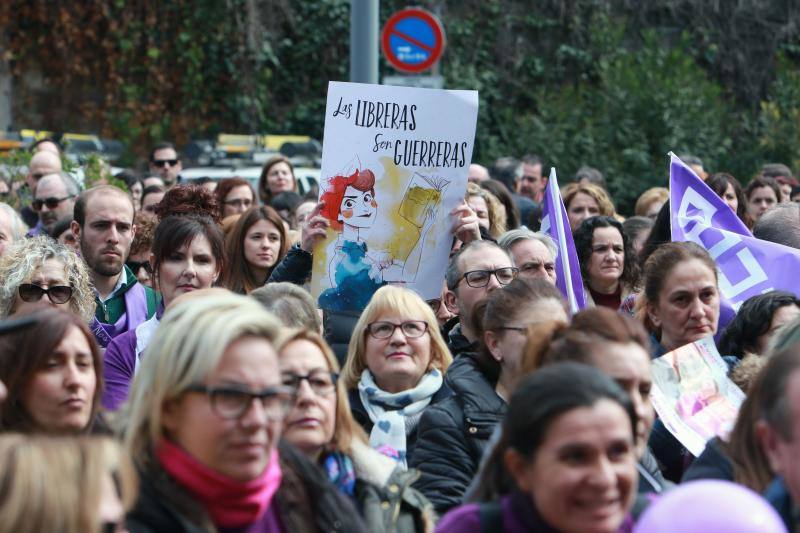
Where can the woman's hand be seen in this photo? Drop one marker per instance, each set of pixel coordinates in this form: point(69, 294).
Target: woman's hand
point(314, 230)
point(465, 227)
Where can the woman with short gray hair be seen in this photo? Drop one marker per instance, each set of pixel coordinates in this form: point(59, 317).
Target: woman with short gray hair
point(40, 267)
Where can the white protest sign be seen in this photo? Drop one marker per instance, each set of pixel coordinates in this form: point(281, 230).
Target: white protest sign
point(394, 164)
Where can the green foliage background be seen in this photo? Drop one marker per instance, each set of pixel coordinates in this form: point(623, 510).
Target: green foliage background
point(611, 84)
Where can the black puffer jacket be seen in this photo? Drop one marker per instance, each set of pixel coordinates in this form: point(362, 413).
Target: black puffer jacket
point(306, 501)
point(362, 417)
point(452, 435)
point(295, 267)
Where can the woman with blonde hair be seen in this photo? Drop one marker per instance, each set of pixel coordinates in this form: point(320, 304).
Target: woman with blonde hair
point(489, 210)
point(585, 200)
point(40, 269)
point(394, 370)
point(321, 426)
point(650, 202)
point(69, 485)
point(208, 454)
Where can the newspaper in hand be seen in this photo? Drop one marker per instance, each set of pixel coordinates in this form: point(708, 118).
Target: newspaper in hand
point(693, 395)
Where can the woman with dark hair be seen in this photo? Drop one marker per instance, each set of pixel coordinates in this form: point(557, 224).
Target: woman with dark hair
point(254, 246)
point(762, 194)
point(660, 233)
point(133, 182)
point(568, 438)
point(730, 190)
point(619, 347)
point(234, 196)
point(756, 321)
point(187, 255)
point(277, 176)
point(502, 193)
point(638, 231)
point(608, 264)
point(53, 371)
point(453, 434)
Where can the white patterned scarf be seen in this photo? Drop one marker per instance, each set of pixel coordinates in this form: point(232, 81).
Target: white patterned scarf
point(389, 410)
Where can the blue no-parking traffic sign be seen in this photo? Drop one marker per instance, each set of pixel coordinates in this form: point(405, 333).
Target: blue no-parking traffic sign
point(412, 40)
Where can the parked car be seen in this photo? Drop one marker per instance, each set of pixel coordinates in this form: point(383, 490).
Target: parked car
point(307, 178)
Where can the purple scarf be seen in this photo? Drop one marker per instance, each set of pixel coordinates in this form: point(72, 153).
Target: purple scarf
point(135, 313)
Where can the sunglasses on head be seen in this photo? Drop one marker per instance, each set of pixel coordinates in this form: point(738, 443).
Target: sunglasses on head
point(161, 163)
point(51, 202)
point(59, 294)
point(136, 265)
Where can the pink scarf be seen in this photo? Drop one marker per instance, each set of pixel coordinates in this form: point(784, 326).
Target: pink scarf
point(230, 503)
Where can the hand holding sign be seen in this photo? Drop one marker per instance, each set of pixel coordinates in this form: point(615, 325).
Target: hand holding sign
point(314, 230)
point(465, 225)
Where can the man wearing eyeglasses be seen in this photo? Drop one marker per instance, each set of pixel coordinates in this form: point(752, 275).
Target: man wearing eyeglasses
point(474, 271)
point(164, 161)
point(54, 200)
point(41, 164)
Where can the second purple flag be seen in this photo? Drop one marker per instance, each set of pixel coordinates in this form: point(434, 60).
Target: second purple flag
point(556, 224)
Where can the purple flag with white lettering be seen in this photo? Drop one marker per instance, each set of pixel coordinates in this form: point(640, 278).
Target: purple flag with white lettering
point(746, 266)
point(556, 224)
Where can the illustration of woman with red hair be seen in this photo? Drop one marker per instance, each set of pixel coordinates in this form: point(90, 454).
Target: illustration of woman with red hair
point(350, 206)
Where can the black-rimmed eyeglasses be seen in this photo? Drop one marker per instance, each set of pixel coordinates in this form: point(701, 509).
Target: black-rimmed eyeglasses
point(411, 329)
point(478, 279)
point(320, 381)
point(231, 403)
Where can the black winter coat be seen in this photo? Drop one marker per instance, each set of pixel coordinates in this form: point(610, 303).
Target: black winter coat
point(306, 501)
point(453, 434)
point(363, 419)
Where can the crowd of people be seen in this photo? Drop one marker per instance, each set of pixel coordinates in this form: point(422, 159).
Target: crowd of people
point(140, 323)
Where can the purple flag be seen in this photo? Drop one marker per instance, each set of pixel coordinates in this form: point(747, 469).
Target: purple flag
point(746, 266)
point(556, 224)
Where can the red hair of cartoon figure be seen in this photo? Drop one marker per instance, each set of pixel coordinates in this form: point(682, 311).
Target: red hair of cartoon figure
point(350, 200)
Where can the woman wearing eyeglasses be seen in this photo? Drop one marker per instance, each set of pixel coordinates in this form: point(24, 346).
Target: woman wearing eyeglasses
point(41, 270)
point(394, 370)
point(321, 426)
point(454, 434)
point(187, 255)
point(203, 427)
point(234, 196)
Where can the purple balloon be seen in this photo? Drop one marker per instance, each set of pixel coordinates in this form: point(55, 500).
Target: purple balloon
point(710, 505)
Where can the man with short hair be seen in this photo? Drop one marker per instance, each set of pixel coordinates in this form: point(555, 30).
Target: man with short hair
point(508, 171)
point(41, 164)
point(533, 182)
point(781, 225)
point(54, 199)
point(778, 431)
point(165, 162)
point(533, 253)
point(477, 173)
point(103, 225)
point(474, 271)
